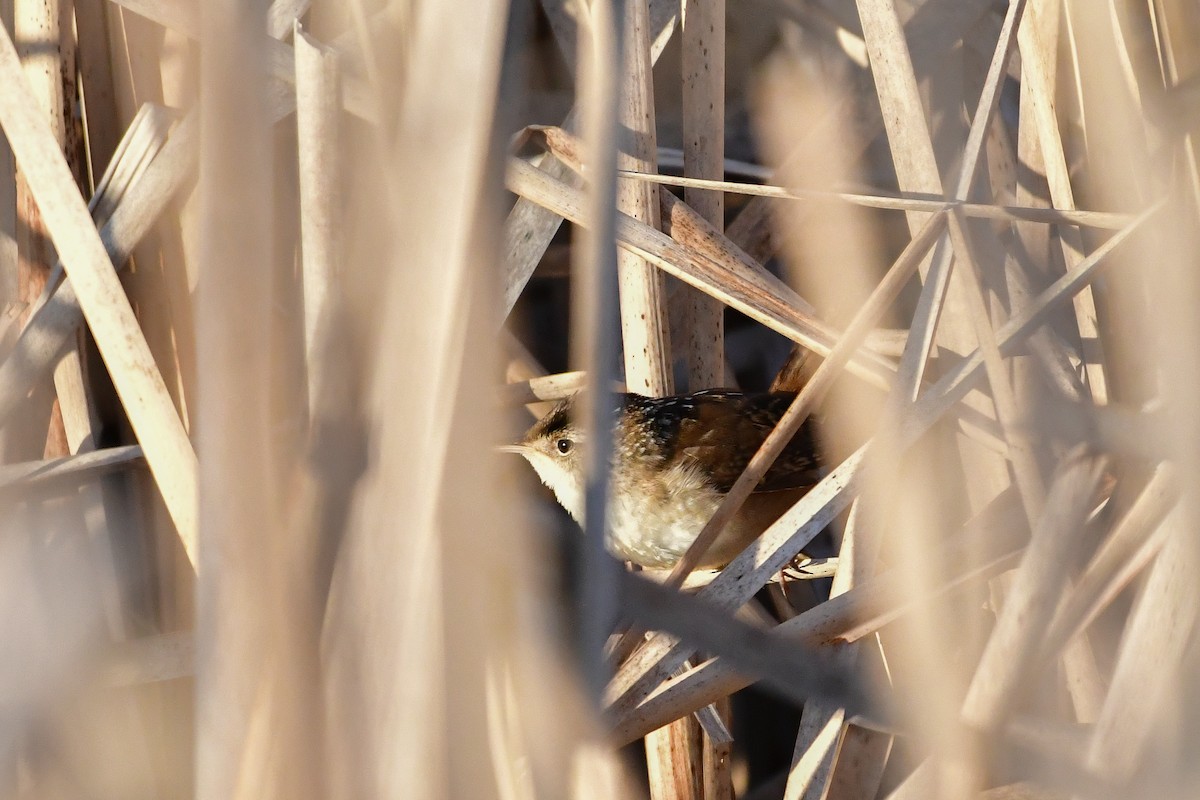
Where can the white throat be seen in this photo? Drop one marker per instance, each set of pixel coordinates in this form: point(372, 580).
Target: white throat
point(564, 483)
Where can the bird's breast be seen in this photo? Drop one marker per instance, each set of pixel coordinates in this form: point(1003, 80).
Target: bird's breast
point(655, 519)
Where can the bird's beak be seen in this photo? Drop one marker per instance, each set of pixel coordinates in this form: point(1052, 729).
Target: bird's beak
point(519, 449)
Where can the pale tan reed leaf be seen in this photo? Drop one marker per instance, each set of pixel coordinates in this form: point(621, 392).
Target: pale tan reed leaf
point(180, 16)
point(102, 298)
point(101, 125)
point(57, 314)
point(528, 231)
point(545, 387)
point(804, 569)
point(1037, 585)
point(698, 323)
point(69, 469)
point(100, 515)
point(1037, 86)
point(899, 201)
point(809, 769)
point(1025, 467)
point(522, 367)
point(895, 80)
point(645, 324)
point(1135, 542)
point(1151, 664)
point(318, 107)
point(139, 146)
point(283, 15)
point(916, 170)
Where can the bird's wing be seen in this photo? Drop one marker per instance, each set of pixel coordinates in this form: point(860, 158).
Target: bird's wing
point(723, 429)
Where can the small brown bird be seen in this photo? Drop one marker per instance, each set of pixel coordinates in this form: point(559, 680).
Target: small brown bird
point(674, 459)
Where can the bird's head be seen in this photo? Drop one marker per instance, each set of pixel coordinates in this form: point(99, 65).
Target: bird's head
point(553, 447)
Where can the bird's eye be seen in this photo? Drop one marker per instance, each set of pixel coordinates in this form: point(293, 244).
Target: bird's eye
point(564, 445)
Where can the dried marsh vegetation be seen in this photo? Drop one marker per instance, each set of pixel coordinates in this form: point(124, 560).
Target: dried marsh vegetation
point(276, 279)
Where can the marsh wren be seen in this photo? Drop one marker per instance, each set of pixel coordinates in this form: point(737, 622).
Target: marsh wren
point(674, 458)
